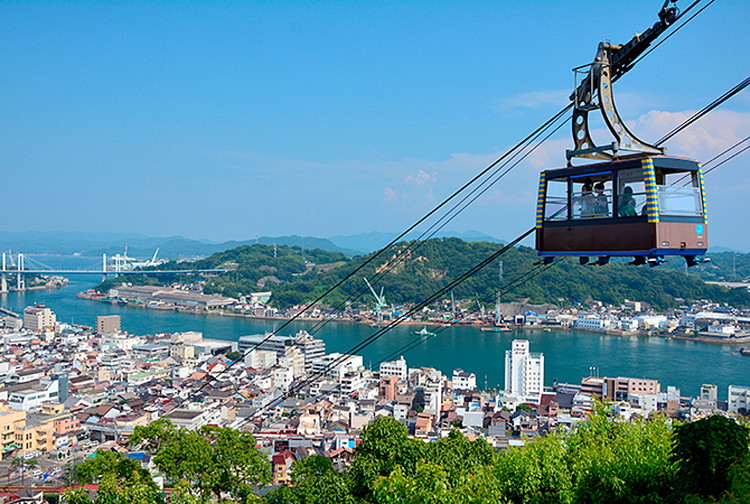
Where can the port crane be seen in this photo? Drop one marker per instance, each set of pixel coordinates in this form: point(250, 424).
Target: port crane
point(379, 302)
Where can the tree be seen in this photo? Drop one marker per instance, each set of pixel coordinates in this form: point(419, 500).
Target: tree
point(385, 446)
point(208, 462)
point(709, 453)
point(106, 462)
point(121, 480)
point(316, 482)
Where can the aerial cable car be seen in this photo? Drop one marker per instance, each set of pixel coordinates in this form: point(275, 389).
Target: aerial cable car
point(638, 202)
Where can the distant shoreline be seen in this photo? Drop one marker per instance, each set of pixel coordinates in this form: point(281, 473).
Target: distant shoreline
point(219, 313)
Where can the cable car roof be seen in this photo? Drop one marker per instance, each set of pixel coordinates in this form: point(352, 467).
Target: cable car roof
point(669, 162)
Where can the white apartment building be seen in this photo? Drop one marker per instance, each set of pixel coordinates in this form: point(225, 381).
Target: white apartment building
point(463, 380)
point(352, 382)
point(336, 365)
point(524, 371)
point(395, 368)
point(709, 392)
point(595, 324)
point(260, 359)
point(312, 348)
point(282, 377)
point(36, 318)
point(35, 395)
point(433, 395)
point(739, 398)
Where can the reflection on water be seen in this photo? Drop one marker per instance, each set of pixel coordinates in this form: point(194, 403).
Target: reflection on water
point(568, 354)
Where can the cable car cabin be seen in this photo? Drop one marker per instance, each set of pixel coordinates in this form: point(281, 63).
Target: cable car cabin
point(645, 207)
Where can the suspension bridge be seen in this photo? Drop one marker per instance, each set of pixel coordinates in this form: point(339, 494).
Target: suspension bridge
point(21, 265)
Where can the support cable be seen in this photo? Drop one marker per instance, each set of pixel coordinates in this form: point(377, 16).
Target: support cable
point(446, 219)
point(521, 280)
point(374, 337)
point(705, 110)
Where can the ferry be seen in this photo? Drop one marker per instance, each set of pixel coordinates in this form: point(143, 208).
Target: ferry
point(425, 332)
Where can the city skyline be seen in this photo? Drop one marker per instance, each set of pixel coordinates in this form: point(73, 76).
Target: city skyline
point(231, 121)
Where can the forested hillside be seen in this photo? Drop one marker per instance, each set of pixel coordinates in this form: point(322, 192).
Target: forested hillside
point(410, 275)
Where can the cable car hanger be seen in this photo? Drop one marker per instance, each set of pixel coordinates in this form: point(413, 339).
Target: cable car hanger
point(593, 91)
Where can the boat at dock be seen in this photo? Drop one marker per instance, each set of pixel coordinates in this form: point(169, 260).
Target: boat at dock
point(503, 328)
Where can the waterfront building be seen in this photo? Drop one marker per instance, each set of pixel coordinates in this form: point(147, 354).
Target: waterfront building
point(463, 380)
point(150, 351)
point(739, 399)
point(37, 318)
point(155, 296)
point(709, 392)
point(182, 351)
point(592, 324)
point(524, 371)
point(107, 324)
point(618, 389)
point(395, 368)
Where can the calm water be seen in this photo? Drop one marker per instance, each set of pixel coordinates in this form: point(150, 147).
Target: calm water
point(568, 355)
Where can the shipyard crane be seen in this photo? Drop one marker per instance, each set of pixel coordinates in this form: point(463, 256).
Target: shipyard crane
point(379, 302)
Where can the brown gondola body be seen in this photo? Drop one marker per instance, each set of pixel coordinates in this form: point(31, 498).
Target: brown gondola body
point(649, 207)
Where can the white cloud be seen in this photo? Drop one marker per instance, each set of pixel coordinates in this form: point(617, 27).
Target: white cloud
point(421, 178)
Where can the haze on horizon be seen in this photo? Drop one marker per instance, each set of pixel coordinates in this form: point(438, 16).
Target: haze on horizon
point(229, 121)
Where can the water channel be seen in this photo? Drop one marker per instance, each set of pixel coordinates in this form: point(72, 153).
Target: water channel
point(569, 355)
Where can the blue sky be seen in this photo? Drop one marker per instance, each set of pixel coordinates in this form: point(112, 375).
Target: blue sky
point(227, 120)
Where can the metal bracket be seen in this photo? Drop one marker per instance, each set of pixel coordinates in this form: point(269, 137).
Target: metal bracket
point(594, 92)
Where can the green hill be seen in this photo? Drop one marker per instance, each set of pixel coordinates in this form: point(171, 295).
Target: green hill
point(298, 276)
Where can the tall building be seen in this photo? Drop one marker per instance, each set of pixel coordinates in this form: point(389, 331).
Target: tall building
point(394, 368)
point(108, 324)
point(524, 371)
point(739, 399)
point(36, 318)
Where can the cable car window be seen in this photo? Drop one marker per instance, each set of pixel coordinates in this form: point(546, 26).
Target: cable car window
point(556, 201)
point(631, 193)
point(679, 193)
point(592, 196)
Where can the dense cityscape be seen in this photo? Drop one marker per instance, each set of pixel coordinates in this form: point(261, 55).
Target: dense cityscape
point(489, 287)
point(72, 391)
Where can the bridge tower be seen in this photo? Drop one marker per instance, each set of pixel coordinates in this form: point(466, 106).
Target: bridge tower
point(4, 276)
point(20, 278)
point(104, 267)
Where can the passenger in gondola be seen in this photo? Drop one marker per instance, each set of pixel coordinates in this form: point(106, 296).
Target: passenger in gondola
point(601, 203)
point(587, 201)
point(626, 208)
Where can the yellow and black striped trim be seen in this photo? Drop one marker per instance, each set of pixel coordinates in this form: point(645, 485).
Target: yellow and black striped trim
point(703, 193)
point(540, 200)
point(652, 194)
